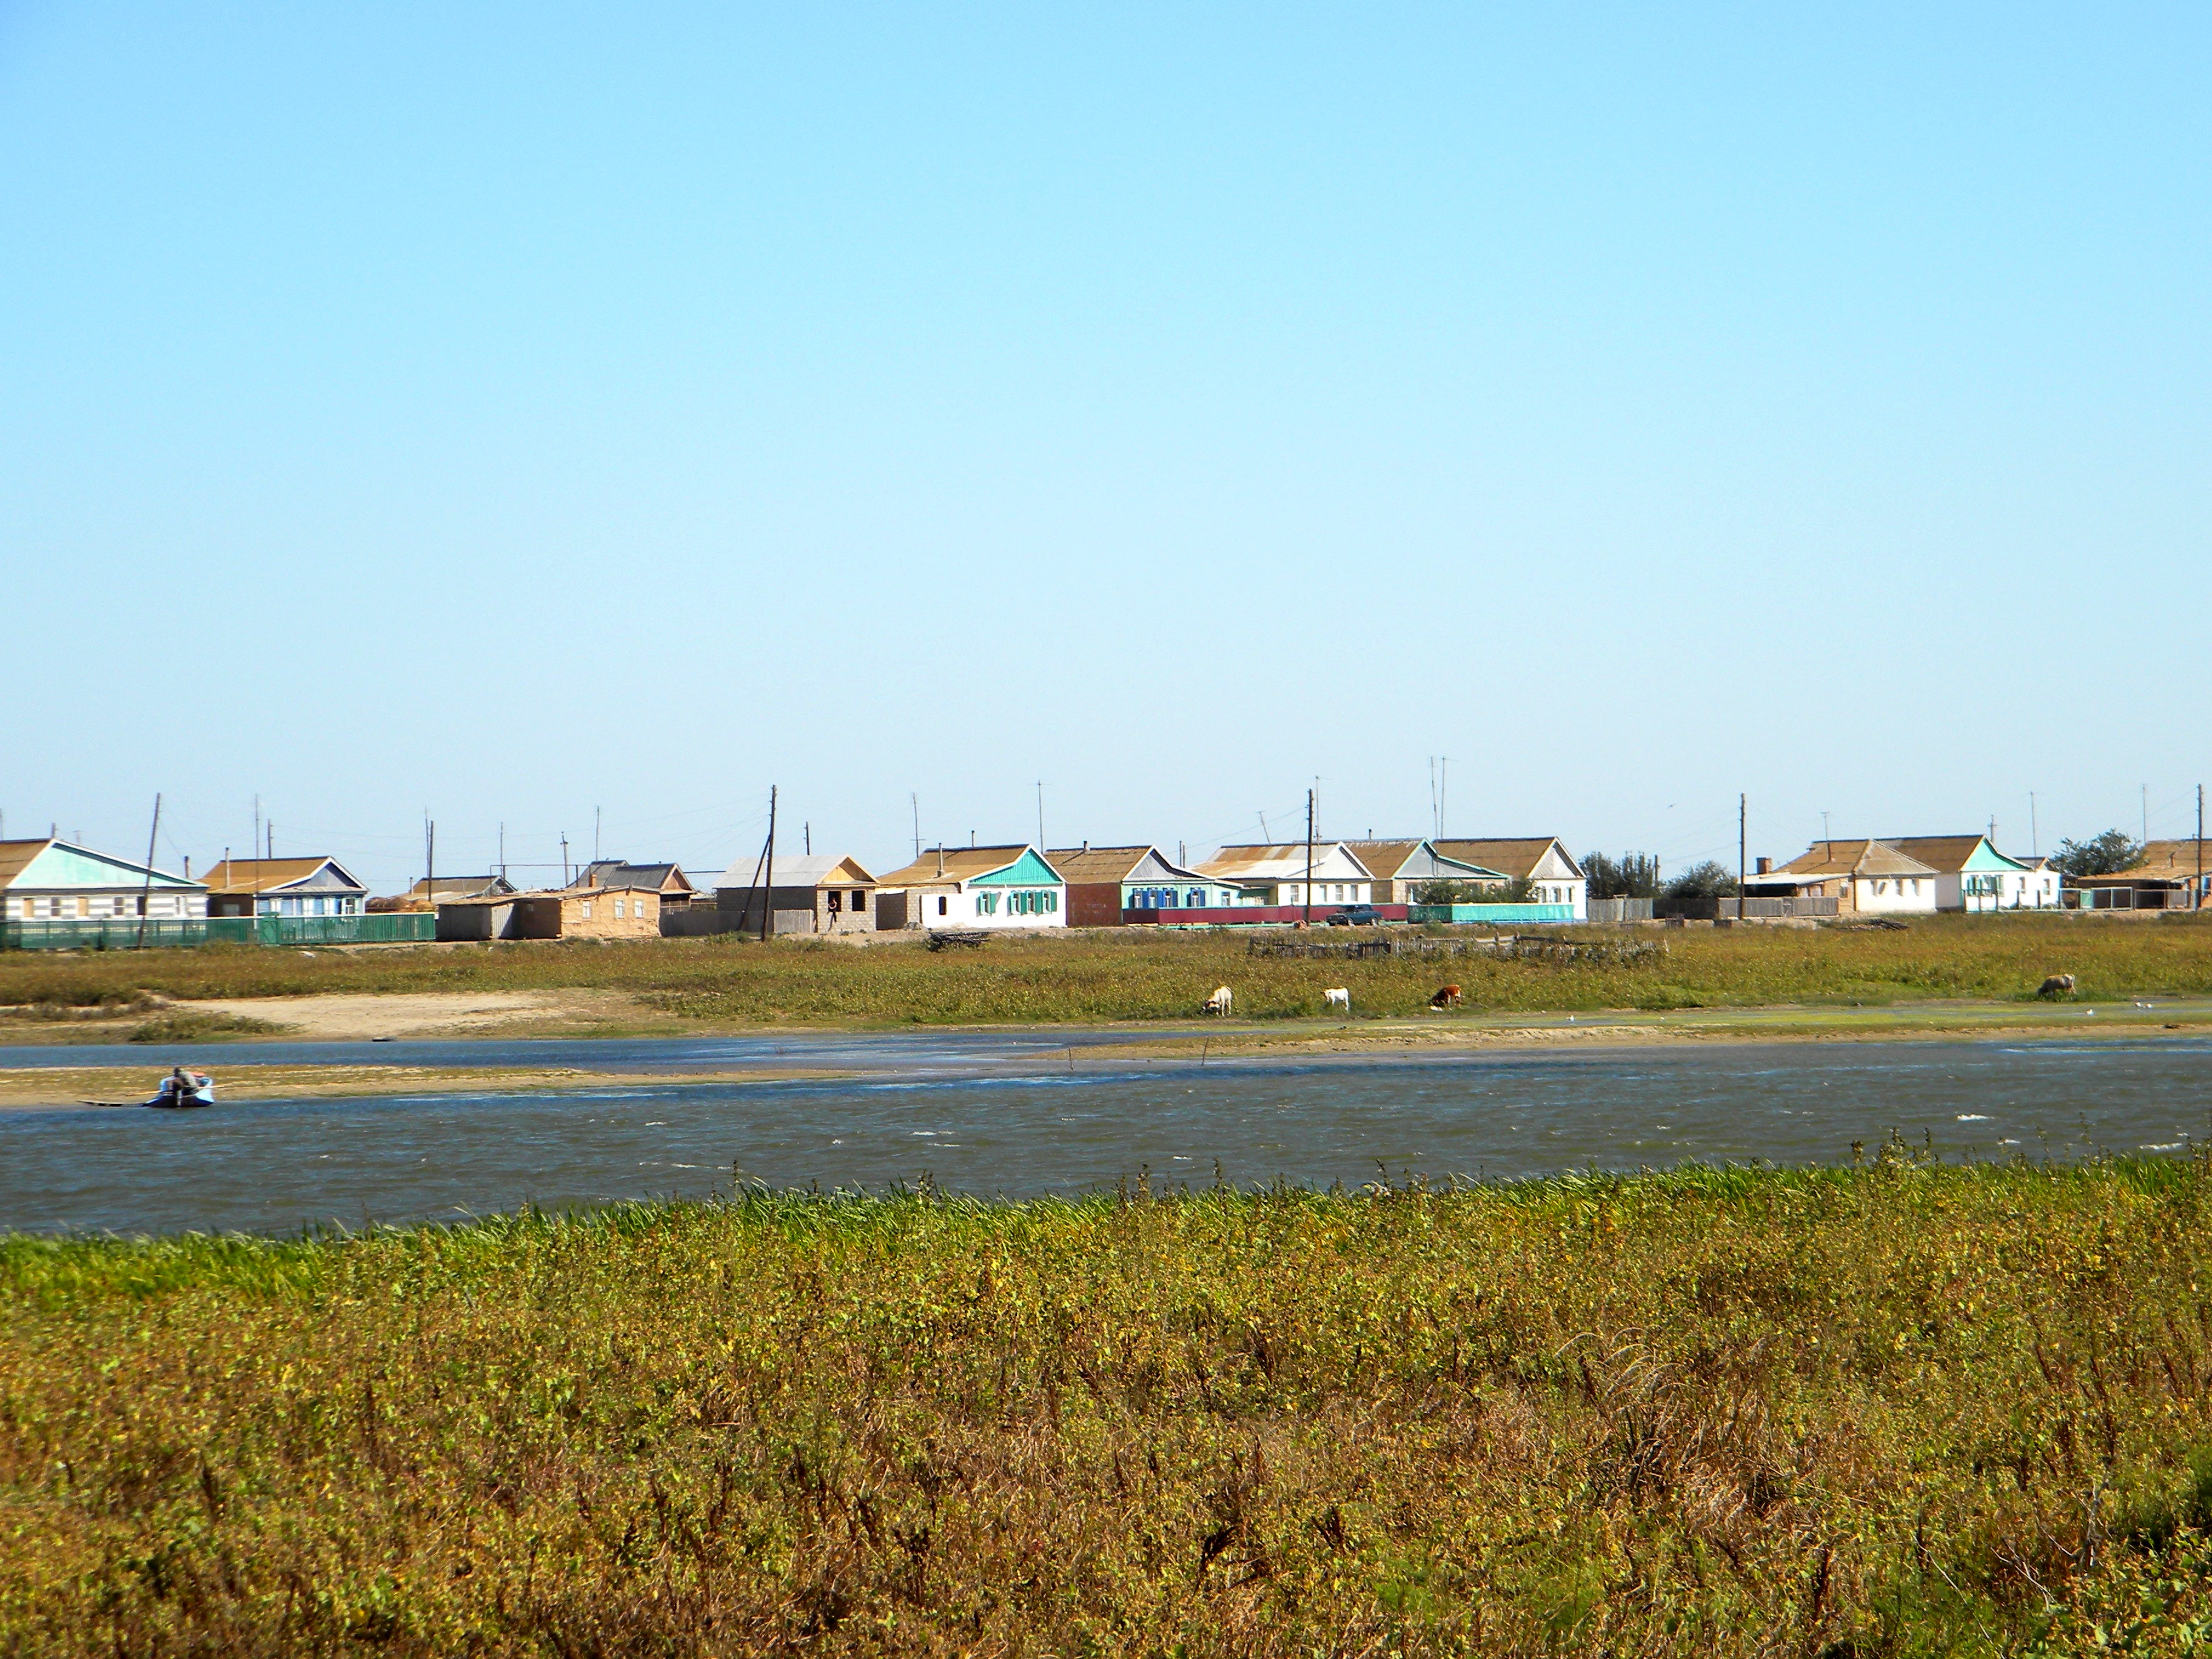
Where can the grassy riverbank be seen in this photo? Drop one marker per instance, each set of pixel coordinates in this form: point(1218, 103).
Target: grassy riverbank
point(1901, 1410)
point(728, 983)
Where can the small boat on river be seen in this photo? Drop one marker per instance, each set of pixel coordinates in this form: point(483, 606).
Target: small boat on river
point(181, 1089)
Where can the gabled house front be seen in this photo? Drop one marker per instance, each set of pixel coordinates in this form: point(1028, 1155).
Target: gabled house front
point(1327, 873)
point(1402, 868)
point(1972, 875)
point(1104, 881)
point(1542, 861)
point(1865, 876)
point(50, 880)
point(973, 887)
point(284, 887)
point(814, 893)
point(668, 880)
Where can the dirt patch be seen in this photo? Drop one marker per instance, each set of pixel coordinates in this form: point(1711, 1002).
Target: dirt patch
point(397, 1014)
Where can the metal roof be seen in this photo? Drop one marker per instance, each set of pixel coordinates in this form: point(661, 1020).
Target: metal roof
point(803, 869)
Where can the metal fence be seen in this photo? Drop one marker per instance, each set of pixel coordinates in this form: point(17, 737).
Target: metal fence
point(1619, 909)
point(129, 933)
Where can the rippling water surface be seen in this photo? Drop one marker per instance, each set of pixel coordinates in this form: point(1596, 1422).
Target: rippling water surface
point(1022, 1114)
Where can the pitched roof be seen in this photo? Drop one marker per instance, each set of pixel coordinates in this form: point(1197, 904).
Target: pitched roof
point(1390, 859)
point(267, 875)
point(564, 894)
point(620, 873)
point(461, 886)
point(2173, 861)
point(15, 856)
point(2162, 860)
point(959, 864)
point(1947, 854)
point(1516, 856)
point(802, 870)
point(1087, 865)
point(1280, 863)
point(62, 864)
point(1854, 858)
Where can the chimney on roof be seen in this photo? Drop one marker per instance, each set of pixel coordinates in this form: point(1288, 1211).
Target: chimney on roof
point(1765, 867)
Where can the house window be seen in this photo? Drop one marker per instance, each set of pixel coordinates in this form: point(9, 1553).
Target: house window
point(940, 904)
point(837, 903)
point(586, 912)
point(860, 900)
point(618, 910)
point(1052, 903)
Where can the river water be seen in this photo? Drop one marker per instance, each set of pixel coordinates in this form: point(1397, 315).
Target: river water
point(1021, 1115)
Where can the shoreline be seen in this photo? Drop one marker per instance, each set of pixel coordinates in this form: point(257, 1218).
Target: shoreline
point(57, 1085)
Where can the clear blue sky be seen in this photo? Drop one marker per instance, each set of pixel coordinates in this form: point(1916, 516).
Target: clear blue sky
point(511, 411)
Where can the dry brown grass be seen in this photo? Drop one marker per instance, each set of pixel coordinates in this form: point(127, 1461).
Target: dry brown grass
point(1143, 976)
point(1901, 1410)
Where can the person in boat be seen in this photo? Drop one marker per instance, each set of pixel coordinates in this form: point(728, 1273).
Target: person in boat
point(182, 1087)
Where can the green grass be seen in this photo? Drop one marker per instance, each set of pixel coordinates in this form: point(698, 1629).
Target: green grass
point(729, 980)
point(1901, 1410)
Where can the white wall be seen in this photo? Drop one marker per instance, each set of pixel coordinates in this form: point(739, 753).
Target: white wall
point(1911, 895)
point(974, 908)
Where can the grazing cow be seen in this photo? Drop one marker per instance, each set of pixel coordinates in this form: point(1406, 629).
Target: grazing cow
point(1219, 1002)
point(1446, 997)
point(2057, 985)
point(1338, 998)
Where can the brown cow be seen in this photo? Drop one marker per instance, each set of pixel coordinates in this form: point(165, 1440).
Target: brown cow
point(1446, 997)
point(2057, 985)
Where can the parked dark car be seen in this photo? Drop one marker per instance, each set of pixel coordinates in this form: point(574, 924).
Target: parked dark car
point(1355, 915)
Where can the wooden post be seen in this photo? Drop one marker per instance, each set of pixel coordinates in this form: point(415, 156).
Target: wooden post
point(1741, 841)
point(767, 891)
point(146, 890)
point(1309, 835)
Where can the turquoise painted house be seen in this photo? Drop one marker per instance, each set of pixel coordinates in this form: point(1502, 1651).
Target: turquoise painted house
point(974, 887)
point(50, 880)
point(1972, 875)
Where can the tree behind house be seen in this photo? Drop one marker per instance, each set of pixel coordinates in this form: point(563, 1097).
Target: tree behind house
point(1521, 890)
point(1632, 875)
point(2100, 855)
point(1697, 891)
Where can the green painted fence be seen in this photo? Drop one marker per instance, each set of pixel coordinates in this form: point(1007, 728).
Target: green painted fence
point(1497, 914)
point(124, 932)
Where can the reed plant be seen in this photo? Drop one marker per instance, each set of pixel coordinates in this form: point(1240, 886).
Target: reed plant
point(1154, 974)
point(1897, 1409)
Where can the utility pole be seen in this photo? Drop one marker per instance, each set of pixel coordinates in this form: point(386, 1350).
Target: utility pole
point(1444, 798)
point(914, 801)
point(767, 898)
point(502, 849)
point(1742, 841)
point(1309, 835)
point(2199, 905)
point(806, 832)
point(1828, 845)
point(564, 858)
point(1436, 819)
point(146, 888)
point(430, 858)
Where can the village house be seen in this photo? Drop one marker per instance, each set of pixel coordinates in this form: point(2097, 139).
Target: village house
point(1550, 869)
point(668, 880)
point(814, 893)
point(2172, 875)
point(972, 887)
point(601, 912)
point(1402, 868)
point(1972, 875)
point(1103, 882)
point(1327, 873)
point(50, 880)
point(1864, 876)
point(284, 887)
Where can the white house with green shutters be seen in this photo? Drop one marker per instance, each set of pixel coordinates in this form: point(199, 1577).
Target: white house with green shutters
point(50, 880)
point(1972, 875)
point(973, 887)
